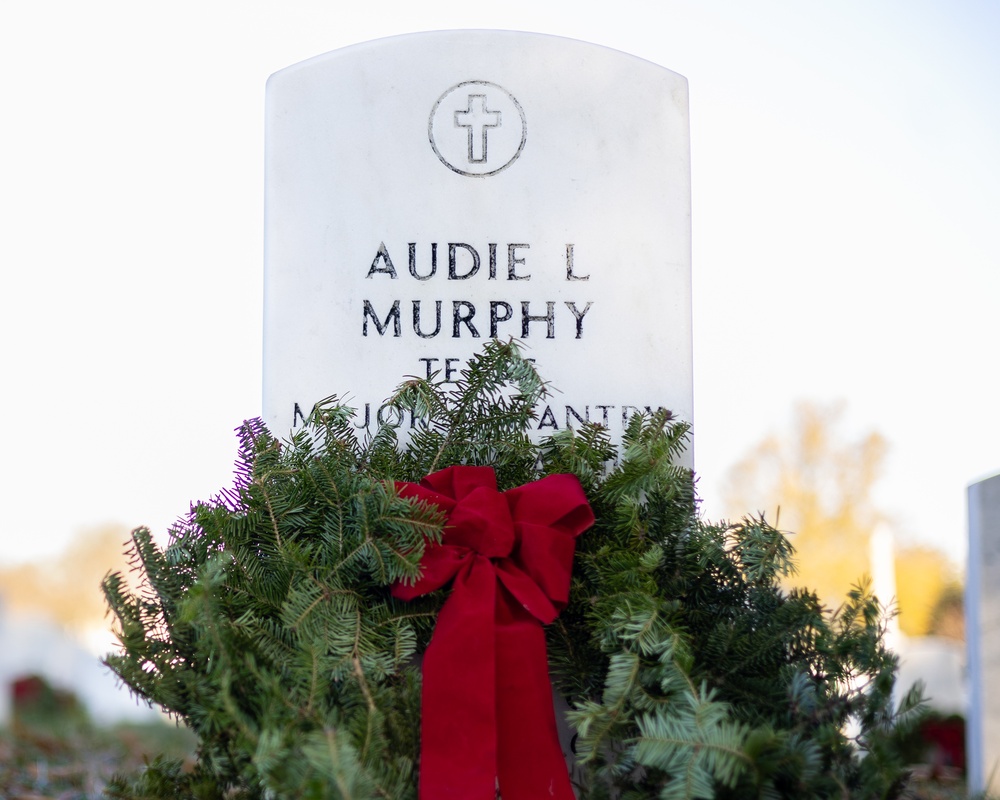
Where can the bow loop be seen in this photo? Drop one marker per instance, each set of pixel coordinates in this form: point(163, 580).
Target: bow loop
point(546, 555)
point(459, 481)
point(556, 501)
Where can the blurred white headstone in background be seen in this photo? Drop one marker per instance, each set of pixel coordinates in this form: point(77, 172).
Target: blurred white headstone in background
point(882, 554)
point(982, 633)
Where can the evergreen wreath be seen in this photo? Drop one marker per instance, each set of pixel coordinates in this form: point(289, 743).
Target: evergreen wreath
point(267, 626)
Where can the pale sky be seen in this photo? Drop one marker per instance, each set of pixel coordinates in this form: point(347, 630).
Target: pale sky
point(846, 199)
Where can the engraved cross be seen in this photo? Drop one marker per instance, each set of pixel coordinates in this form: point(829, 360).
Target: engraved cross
point(477, 118)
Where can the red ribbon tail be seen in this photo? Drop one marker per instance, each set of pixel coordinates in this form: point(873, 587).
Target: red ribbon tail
point(458, 754)
point(530, 762)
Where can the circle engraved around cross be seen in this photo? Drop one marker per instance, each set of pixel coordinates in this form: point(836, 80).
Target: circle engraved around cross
point(477, 128)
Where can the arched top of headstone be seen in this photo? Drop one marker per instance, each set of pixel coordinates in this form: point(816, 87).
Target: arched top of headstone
point(510, 41)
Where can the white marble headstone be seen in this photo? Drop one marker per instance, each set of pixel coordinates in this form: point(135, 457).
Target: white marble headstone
point(427, 192)
point(982, 634)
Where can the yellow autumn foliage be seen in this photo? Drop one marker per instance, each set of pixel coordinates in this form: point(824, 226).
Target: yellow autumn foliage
point(818, 485)
point(67, 588)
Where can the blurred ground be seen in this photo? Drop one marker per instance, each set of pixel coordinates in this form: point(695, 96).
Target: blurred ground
point(74, 762)
point(77, 764)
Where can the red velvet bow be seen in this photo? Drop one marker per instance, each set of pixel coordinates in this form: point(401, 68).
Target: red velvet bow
point(487, 711)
